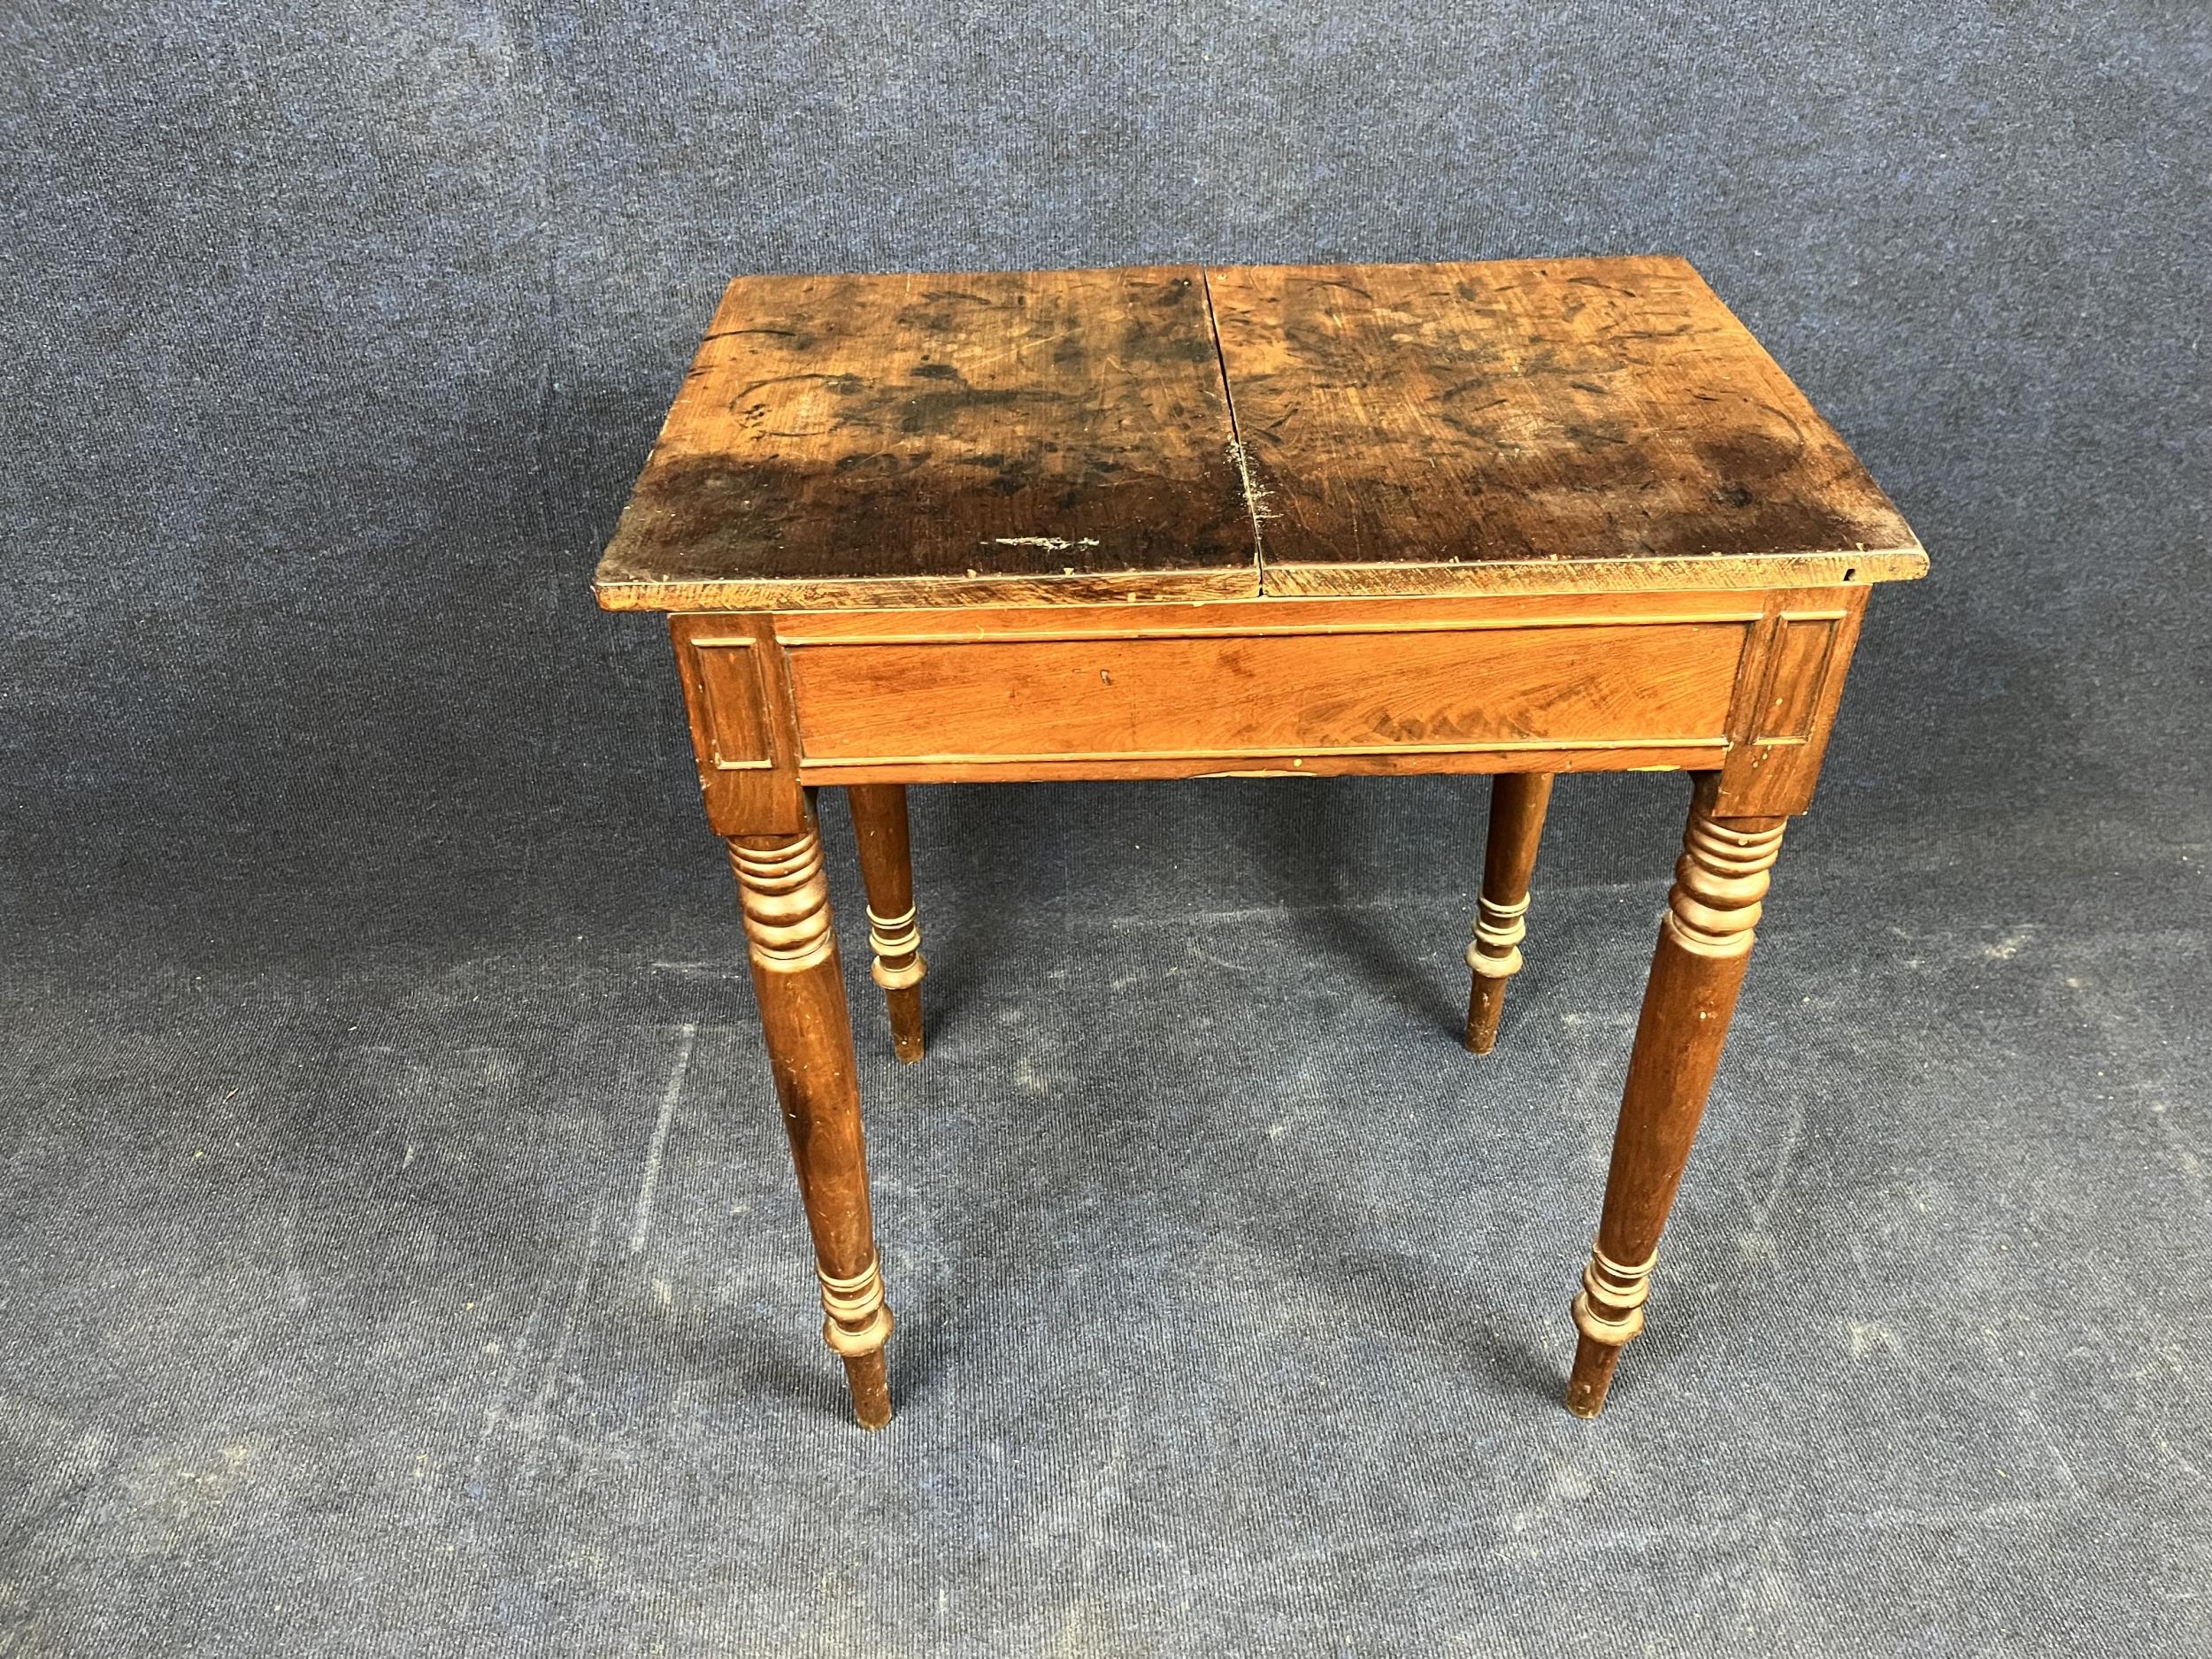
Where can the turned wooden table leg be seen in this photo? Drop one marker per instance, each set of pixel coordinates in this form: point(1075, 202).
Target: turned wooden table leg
point(1517, 800)
point(895, 934)
point(785, 898)
point(1704, 946)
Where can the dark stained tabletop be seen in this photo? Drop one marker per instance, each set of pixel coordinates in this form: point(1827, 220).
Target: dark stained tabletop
point(1424, 428)
point(1165, 433)
point(846, 440)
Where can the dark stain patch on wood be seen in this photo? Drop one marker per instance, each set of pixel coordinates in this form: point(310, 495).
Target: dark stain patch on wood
point(1415, 428)
point(1528, 410)
point(1034, 425)
point(703, 518)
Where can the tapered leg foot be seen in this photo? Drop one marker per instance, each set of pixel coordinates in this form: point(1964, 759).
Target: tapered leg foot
point(1697, 970)
point(785, 898)
point(1517, 801)
point(870, 1390)
point(904, 1004)
point(1608, 1314)
point(856, 1326)
point(895, 934)
point(1486, 1007)
point(1593, 1376)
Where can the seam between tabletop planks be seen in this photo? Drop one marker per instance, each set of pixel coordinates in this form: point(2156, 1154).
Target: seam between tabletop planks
point(1237, 454)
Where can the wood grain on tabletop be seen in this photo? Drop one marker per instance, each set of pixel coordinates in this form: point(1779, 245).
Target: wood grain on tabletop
point(841, 438)
point(1446, 427)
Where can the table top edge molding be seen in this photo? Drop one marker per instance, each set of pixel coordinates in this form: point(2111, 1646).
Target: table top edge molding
point(1719, 572)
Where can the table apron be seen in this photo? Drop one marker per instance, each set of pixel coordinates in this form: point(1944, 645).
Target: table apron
point(1268, 691)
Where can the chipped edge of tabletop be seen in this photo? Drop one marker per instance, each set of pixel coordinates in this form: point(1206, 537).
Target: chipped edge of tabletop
point(1853, 566)
point(1409, 578)
point(892, 593)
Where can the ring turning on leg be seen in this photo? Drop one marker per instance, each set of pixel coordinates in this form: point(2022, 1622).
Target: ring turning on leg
point(1611, 1308)
point(896, 941)
point(857, 1321)
point(1697, 970)
point(1499, 930)
point(895, 934)
point(1608, 1313)
point(784, 898)
point(856, 1326)
point(1517, 800)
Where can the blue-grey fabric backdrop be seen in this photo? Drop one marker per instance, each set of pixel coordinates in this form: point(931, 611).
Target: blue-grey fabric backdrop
point(400, 1254)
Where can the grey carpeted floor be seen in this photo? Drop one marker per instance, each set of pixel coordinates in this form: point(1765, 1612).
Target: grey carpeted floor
point(400, 1256)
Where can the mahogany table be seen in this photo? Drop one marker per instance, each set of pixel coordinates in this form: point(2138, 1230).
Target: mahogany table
point(1513, 518)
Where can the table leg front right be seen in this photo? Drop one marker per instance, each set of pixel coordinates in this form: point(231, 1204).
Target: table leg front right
point(785, 898)
point(1704, 947)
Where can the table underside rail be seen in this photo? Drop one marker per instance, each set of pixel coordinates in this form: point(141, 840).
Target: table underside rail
point(1746, 685)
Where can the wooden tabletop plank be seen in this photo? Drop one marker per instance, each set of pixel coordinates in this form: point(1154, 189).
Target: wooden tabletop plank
point(1573, 424)
point(970, 438)
point(1029, 437)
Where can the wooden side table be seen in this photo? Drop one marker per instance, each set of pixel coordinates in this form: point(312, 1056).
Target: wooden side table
point(1515, 519)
